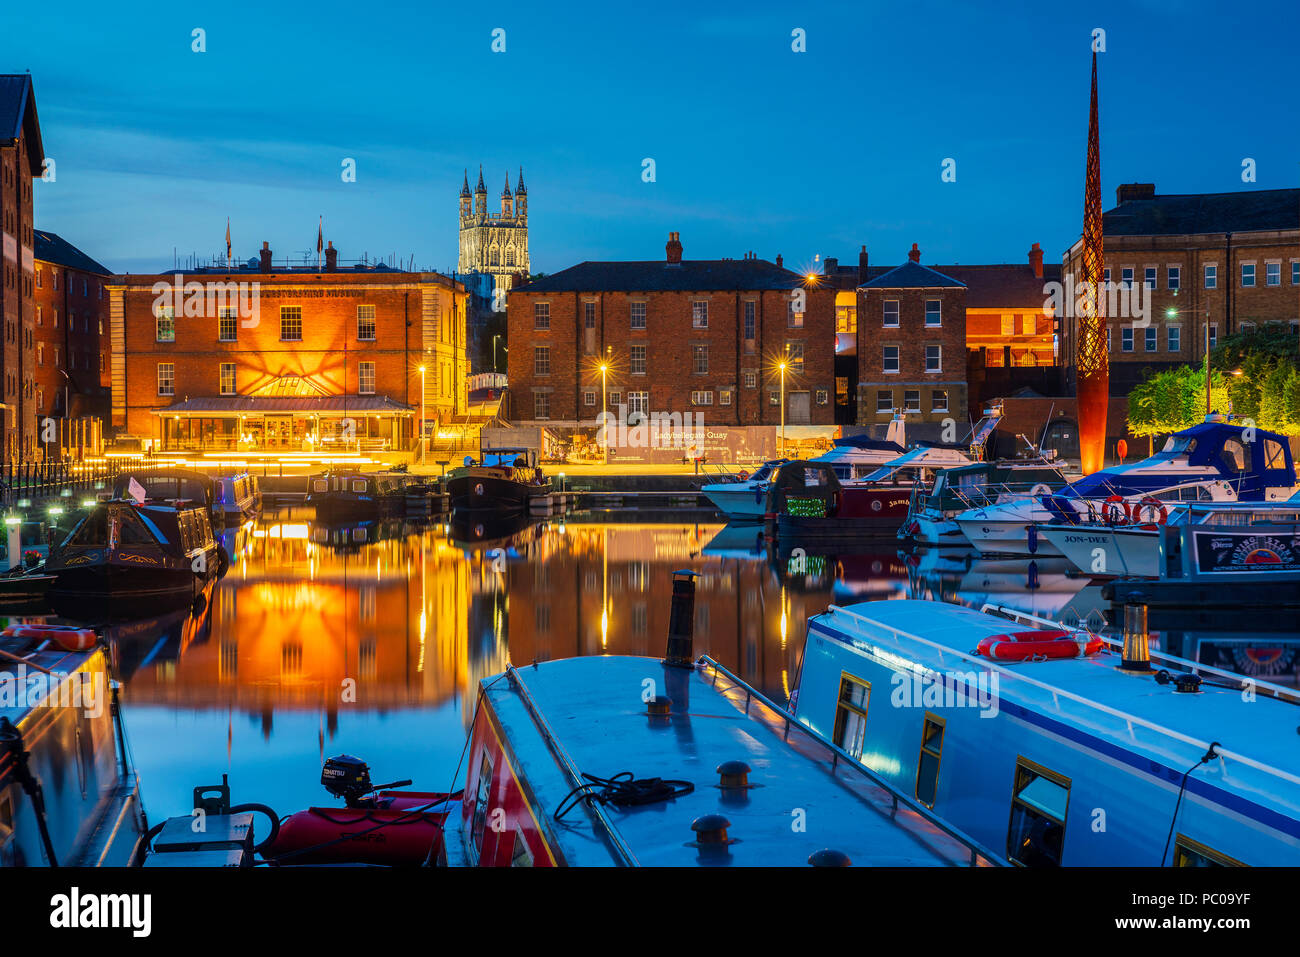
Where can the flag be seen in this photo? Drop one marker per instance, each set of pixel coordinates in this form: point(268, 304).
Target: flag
point(227, 239)
point(136, 491)
point(320, 236)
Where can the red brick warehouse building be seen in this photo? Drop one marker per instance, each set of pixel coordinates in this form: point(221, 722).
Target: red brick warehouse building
point(265, 357)
point(679, 336)
point(71, 356)
point(22, 160)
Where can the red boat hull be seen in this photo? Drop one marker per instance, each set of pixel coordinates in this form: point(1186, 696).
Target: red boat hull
point(407, 838)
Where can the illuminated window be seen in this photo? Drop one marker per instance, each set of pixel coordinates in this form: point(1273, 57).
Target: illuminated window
point(700, 359)
point(794, 352)
point(589, 397)
point(751, 380)
point(164, 322)
point(226, 378)
point(851, 715)
point(366, 378)
point(1039, 801)
point(227, 328)
point(702, 397)
point(724, 397)
point(939, 400)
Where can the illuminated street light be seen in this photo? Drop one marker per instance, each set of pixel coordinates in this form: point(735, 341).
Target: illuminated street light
point(782, 365)
point(422, 415)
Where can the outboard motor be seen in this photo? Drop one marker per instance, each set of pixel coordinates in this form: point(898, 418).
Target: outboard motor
point(348, 777)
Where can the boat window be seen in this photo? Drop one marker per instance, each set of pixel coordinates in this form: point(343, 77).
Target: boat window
point(359, 485)
point(133, 531)
point(1274, 457)
point(1189, 853)
point(1038, 806)
point(320, 485)
point(1233, 455)
point(1179, 446)
point(851, 714)
point(93, 531)
point(927, 765)
point(521, 856)
point(478, 823)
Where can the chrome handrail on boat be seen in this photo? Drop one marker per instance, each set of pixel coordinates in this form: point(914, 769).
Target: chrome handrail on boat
point(839, 755)
point(1058, 692)
point(1275, 690)
point(570, 769)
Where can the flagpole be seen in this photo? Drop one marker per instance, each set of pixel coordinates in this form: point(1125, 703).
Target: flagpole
point(320, 240)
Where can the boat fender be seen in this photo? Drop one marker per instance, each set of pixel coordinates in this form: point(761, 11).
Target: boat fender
point(1109, 511)
point(1151, 503)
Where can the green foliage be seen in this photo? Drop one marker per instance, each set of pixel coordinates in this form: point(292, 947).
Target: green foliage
point(1173, 399)
point(1262, 368)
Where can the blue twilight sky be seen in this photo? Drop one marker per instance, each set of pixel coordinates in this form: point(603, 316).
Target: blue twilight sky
point(755, 146)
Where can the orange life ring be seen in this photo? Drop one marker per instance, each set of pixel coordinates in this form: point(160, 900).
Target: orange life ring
point(67, 637)
point(1161, 514)
point(744, 476)
point(1023, 645)
point(1106, 510)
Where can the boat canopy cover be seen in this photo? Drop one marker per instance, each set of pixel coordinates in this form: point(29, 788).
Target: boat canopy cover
point(867, 442)
point(923, 456)
point(1252, 459)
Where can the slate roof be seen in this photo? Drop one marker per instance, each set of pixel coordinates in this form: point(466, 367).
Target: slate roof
point(18, 114)
point(53, 248)
point(912, 275)
point(306, 405)
point(1239, 212)
point(661, 276)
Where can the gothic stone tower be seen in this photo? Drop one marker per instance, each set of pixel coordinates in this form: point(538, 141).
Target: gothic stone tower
point(495, 245)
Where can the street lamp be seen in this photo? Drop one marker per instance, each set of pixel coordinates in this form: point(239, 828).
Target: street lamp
point(422, 415)
point(782, 365)
point(494, 353)
point(604, 411)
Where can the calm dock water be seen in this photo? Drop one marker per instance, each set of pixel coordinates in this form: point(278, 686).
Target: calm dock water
point(371, 640)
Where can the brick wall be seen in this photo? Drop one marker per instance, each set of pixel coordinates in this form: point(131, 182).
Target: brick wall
point(745, 369)
point(71, 308)
point(17, 301)
point(911, 338)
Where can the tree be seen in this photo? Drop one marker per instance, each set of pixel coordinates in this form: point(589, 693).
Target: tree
point(1173, 399)
point(1263, 373)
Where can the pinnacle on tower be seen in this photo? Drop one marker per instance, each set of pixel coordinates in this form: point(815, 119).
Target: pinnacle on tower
point(464, 189)
point(480, 188)
point(506, 192)
point(521, 188)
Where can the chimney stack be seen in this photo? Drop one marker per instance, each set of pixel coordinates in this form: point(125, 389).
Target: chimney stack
point(1128, 191)
point(331, 258)
point(778, 261)
point(862, 265)
point(674, 248)
point(914, 254)
point(830, 266)
point(266, 258)
point(1036, 260)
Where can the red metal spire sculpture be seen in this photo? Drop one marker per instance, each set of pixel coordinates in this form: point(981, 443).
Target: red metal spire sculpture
point(1091, 359)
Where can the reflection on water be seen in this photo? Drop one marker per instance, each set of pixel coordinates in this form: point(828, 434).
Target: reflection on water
point(371, 640)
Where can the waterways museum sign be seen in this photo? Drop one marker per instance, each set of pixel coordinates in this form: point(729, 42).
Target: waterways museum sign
point(1246, 552)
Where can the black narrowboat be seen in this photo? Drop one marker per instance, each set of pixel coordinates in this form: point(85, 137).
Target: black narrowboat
point(343, 497)
point(124, 552)
point(501, 482)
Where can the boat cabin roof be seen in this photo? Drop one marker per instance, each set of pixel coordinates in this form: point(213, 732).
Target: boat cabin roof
point(592, 706)
point(1090, 698)
point(41, 686)
point(925, 456)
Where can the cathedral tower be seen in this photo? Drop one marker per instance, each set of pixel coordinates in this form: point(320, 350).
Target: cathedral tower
point(494, 246)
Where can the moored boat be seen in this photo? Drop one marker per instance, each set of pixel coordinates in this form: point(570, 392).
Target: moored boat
point(933, 507)
point(1021, 754)
point(502, 481)
point(68, 796)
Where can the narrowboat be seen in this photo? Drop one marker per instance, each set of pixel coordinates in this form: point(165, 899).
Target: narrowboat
point(125, 552)
point(341, 497)
point(1227, 558)
point(1215, 461)
point(67, 794)
point(1126, 543)
point(673, 762)
point(502, 480)
point(1054, 746)
point(237, 495)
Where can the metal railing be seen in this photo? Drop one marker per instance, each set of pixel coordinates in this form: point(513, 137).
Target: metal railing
point(1057, 692)
point(839, 756)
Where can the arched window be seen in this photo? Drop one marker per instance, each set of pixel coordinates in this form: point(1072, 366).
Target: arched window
point(510, 255)
point(494, 257)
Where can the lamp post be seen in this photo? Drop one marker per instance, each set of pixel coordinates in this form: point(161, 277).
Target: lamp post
point(781, 451)
point(604, 410)
point(494, 353)
point(422, 415)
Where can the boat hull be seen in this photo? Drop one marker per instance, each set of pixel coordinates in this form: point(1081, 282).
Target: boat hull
point(1107, 552)
point(1000, 537)
point(486, 493)
point(737, 500)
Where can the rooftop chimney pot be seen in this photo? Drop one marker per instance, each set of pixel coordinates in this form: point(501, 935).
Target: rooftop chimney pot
point(914, 254)
point(265, 253)
point(674, 248)
point(1036, 260)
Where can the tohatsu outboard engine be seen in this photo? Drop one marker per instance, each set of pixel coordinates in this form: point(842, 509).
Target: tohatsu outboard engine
point(348, 777)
